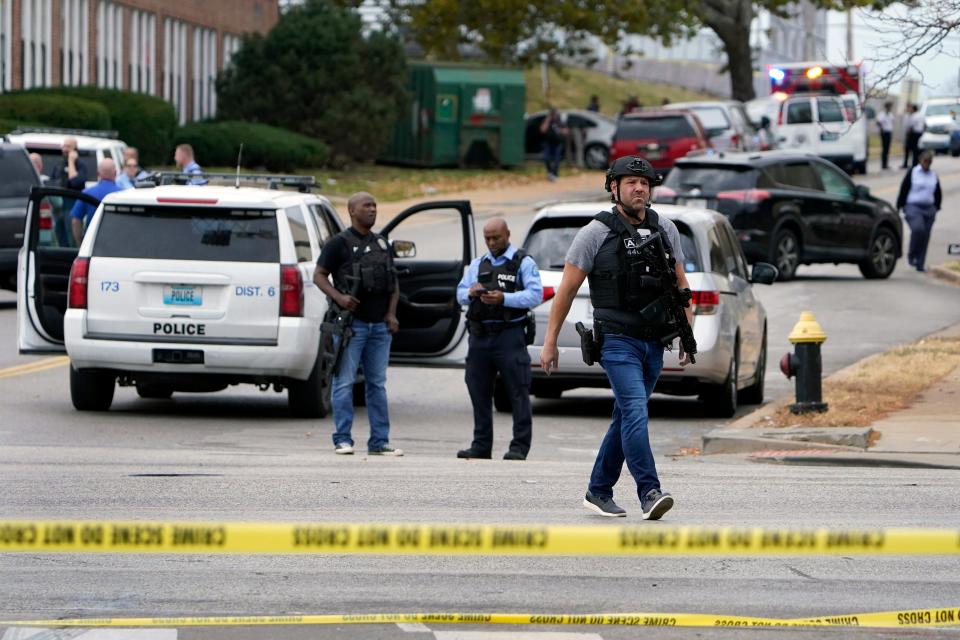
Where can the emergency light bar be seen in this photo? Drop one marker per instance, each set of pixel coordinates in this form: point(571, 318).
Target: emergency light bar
point(302, 183)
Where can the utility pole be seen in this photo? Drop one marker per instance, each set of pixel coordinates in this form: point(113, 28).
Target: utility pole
point(849, 36)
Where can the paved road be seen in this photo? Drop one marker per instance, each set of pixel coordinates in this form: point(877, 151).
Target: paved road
point(257, 464)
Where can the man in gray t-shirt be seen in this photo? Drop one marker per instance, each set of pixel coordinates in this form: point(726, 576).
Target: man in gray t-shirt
point(630, 319)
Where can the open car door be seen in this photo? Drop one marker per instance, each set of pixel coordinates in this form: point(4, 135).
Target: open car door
point(433, 244)
point(43, 269)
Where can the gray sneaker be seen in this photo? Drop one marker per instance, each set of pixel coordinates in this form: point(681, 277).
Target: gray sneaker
point(655, 504)
point(603, 505)
point(386, 450)
point(343, 448)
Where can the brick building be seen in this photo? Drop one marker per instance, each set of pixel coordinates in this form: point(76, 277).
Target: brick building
point(168, 48)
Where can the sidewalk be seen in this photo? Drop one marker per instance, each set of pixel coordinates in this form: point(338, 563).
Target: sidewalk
point(925, 434)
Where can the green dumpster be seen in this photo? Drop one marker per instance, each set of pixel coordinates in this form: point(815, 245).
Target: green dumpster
point(460, 116)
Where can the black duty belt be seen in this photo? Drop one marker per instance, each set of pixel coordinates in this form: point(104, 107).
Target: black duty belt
point(632, 331)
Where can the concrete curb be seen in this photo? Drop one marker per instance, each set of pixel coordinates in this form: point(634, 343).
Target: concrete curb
point(845, 459)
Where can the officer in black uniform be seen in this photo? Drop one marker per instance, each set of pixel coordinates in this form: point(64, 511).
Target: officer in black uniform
point(631, 318)
point(500, 288)
point(365, 284)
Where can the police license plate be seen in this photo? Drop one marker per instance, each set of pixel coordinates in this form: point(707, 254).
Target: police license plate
point(191, 296)
point(829, 136)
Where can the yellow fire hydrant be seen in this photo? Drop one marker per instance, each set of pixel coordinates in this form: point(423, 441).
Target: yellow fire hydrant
point(805, 363)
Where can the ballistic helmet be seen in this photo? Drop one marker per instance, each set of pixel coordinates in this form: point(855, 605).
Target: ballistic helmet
point(631, 166)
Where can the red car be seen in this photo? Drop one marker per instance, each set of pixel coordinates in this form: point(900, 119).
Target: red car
point(662, 137)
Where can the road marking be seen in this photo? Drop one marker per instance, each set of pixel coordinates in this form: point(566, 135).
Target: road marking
point(413, 627)
point(34, 367)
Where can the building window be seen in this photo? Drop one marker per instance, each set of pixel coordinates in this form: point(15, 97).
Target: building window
point(231, 44)
point(143, 44)
point(204, 73)
point(6, 49)
point(35, 43)
point(175, 66)
point(109, 45)
point(74, 41)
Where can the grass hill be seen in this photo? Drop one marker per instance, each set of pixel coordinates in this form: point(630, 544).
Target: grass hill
point(572, 87)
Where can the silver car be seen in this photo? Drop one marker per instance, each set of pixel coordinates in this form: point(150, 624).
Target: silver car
point(726, 122)
point(730, 323)
point(597, 128)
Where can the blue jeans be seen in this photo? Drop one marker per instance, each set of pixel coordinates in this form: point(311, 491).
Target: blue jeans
point(370, 346)
point(920, 219)
point(633, 367)
point(552, 152)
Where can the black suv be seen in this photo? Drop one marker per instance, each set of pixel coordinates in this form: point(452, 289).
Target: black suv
point(17, 177)
point(791, 209)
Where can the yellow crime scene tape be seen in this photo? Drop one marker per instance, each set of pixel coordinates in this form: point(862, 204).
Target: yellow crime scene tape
point(71, 536)
point(884, 619)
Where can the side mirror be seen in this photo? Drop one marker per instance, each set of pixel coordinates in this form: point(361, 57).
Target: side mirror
point(403, 249)
point(764, 122)
point(862, 191)
point(763, 273)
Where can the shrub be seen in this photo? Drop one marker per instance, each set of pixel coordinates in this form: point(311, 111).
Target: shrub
point(316, 73)
point(143, 121)
point(217, 143)
point(54, 111)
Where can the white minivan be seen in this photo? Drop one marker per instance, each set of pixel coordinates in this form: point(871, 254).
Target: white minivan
point(195, 288)
point(822, 125)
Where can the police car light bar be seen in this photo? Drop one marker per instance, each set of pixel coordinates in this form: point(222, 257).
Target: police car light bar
point(777, 75)
point(90, 133)
point(302, 183)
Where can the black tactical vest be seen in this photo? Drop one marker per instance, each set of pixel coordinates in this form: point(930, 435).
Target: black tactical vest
point(506, 278)
point(370, 261)
point(623, 287)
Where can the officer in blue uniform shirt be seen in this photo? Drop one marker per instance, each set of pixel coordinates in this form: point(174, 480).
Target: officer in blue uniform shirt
point(499, 288)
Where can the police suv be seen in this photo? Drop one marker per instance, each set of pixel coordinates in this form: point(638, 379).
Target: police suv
point(194, 288)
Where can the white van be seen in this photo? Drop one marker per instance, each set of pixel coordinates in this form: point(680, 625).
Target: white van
point(823, 126)
point(92, 147)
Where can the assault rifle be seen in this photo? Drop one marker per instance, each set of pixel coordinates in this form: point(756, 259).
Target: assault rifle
point(338, 323)
point(676, 299)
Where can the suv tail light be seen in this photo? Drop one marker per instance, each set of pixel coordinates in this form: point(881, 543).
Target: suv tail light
point(744, 196)
point(45, 223)
point(704, 303)
point(548, 293)
point(735, 140)
point(77, 295)
point(291, 291)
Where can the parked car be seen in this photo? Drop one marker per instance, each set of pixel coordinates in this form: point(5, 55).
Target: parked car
point(17, 177)
point(940, 124)
point(730, 323)
point(662, 137)
point(726, 123)
point(194, 288)
point(92, 147)
point(791, 209)
point(599, 130)
point(823, 125)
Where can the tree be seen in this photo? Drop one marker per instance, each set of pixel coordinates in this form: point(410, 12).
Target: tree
point(524, 31)
point(317, 74)
point(909, 33)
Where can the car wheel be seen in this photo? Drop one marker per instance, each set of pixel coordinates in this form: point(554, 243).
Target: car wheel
point(310, 398)
point(545, 390)
point(786, 253)
point(154, 391)
point(955, 152)
point(596, 156)
point(91, 390)
point(882, 257)
point(501, 399)
point(721, 399)
point(754, 393)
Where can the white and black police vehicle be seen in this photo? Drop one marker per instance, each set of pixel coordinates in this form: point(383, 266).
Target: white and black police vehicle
point(180, 287)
